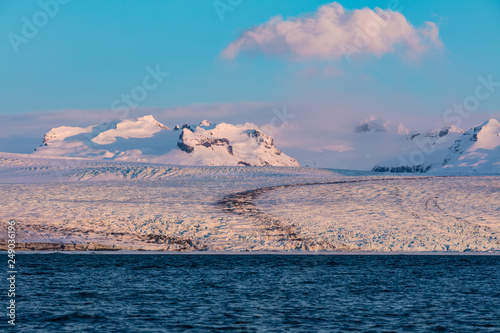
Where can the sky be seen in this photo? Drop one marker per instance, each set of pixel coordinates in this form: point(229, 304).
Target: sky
point(329, 65)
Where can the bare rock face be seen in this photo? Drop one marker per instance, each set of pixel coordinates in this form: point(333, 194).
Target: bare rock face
point(371, 125)
point(403, 169)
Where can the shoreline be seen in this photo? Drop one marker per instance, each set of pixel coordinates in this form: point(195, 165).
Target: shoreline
point(256, 253)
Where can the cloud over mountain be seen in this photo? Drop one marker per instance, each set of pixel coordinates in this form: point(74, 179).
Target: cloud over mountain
point(333, 31)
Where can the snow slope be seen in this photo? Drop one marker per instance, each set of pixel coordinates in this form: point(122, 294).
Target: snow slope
point(147, 140)
point(476, 150)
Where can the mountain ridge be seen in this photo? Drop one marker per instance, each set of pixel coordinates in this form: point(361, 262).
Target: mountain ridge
point(476, 150)
point(147, 140)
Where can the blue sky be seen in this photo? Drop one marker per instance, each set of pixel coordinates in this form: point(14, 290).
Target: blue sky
point(91, 52)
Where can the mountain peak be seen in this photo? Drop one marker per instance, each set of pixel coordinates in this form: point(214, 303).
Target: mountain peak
point(152, 120)
point(492, 122)
point(143, 127)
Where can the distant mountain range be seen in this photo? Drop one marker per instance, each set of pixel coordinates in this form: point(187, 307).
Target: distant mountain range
point(442, 150)
point(476, 150)
point(146, 140)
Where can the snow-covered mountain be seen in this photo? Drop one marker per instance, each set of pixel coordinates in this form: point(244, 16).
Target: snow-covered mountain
point(476, 150)
point(146, 140)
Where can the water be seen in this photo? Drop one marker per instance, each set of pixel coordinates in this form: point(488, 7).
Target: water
point(250, 293)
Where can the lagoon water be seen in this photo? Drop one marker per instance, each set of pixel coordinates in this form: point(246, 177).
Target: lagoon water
point(61, 292)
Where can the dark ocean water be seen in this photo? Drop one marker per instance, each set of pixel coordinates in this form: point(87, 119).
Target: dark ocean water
point(254, 293)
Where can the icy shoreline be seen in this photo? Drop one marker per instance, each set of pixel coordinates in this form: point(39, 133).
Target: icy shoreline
point(265, 253)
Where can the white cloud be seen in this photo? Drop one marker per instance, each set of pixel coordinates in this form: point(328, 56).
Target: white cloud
point(332, 32)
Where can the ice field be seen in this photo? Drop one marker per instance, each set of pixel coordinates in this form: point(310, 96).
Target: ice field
point(91, 205)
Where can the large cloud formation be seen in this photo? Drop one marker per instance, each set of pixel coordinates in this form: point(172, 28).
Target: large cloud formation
point(332, 32)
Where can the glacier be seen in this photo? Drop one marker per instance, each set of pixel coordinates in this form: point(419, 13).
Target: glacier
point(80, 204)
